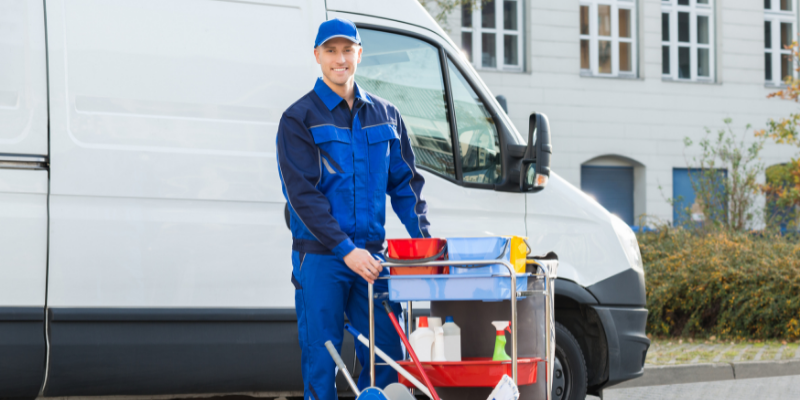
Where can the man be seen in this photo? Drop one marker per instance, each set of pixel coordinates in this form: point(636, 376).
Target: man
point(340, 151)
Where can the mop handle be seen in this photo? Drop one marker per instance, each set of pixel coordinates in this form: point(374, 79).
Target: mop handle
point(338, 360)
point(381, 354)
point(410, 349)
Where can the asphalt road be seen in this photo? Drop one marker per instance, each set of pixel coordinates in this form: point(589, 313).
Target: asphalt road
point(786, 387)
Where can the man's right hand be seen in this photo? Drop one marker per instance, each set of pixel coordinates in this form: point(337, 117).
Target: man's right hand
point(364, 264)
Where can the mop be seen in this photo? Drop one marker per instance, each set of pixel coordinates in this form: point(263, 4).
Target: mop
point(360, 338)
point(370, 393)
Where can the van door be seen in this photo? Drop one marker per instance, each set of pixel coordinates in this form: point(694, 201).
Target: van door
point(169, 259)
point(23, 197)
point(454, 134)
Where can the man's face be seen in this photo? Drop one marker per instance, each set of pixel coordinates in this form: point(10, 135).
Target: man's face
point(338, 58)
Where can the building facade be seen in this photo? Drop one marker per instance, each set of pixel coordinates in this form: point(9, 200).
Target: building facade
point(623, 82)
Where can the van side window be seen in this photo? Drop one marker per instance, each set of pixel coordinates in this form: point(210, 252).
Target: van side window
point(408, 73)
point(478, 140)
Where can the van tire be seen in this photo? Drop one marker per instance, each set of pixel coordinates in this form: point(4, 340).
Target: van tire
point(569, 375)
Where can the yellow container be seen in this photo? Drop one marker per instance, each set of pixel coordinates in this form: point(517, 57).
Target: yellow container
point(519, 253)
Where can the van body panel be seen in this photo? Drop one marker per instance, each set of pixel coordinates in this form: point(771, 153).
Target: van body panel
point(165, 189)
point(123, 252)
point(23, 237)
point(457, 211)
point(563, 219)
point(23, 78)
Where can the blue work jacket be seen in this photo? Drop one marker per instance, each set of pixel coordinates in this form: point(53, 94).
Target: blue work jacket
point(337, 165)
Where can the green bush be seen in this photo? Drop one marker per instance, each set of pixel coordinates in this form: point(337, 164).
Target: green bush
point(737, 285)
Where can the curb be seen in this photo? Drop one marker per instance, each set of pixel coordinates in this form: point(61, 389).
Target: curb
point(694, 373)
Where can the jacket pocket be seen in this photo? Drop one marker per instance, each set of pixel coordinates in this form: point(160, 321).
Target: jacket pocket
point(380, 147)
point(336, 151)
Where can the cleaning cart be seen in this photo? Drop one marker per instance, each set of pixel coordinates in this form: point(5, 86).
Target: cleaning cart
point(458, 279)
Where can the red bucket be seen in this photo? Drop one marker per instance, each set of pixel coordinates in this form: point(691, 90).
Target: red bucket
point(472, 372)
point(403, 250)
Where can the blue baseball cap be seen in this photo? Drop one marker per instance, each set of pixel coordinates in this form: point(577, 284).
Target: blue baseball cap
point(337, 27)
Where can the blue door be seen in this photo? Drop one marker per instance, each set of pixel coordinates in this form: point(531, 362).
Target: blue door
point(612, 187)
point(685, 207)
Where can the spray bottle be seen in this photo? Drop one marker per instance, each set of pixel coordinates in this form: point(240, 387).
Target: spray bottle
point(500, 340)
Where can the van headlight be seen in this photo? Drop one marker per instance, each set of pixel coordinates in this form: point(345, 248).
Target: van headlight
point(629, 243)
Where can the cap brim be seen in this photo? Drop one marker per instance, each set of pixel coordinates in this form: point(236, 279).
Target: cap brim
point(350, 38)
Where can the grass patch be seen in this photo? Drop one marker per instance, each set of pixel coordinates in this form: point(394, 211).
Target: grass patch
point(789, 351)
point(664, 350)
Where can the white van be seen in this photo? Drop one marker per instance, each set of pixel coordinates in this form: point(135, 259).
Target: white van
point(143, 244)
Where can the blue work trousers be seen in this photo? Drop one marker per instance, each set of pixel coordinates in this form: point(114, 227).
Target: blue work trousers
point(326, 289)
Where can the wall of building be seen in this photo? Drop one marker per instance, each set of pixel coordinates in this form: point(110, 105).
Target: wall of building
point(643, 119)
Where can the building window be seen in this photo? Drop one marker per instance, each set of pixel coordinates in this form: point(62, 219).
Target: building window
point(779, 32)
point(491, 34)
point(608, 38)
point(687, 40)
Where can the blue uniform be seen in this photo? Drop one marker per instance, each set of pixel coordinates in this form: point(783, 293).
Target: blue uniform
point(337, 165)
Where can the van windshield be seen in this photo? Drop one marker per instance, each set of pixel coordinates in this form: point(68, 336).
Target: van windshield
point(408, 73)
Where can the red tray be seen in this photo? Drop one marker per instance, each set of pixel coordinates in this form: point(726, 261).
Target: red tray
point(414, 249)
point(472, 372)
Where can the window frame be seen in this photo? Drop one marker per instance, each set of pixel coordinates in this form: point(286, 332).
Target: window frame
point(695, 10)
point(499, 31)
point(775, 16)
point(594, 38)
point(502, 131)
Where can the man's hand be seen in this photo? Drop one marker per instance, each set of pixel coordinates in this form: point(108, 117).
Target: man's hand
point(364, 264)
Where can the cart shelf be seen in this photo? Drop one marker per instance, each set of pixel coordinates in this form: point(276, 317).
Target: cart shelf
point(472, 372)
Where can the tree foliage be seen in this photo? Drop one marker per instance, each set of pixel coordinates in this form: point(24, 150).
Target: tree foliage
point(440, 9)
point(783, 181)
point(727, 199)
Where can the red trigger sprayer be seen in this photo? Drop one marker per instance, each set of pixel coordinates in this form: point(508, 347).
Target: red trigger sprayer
point(500, 340)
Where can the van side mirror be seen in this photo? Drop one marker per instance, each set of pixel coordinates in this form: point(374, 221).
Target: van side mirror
point(535, 164)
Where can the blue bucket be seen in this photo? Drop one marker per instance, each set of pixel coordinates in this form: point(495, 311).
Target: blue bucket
point(479, 248)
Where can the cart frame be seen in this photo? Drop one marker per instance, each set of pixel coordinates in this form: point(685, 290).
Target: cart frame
point(514, 296)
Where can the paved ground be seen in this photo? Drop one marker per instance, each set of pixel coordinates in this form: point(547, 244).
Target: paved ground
point(787, 387)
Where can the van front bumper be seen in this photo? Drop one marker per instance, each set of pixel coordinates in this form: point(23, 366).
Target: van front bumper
point(627, 342)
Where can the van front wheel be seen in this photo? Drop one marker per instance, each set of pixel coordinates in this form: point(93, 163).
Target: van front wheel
point(569, 372)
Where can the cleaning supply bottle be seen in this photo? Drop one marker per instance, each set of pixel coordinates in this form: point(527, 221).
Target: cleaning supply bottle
point(434, 322)
point(500, 341)
point(452, 340)
point(421, 340)
point(438, 345)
